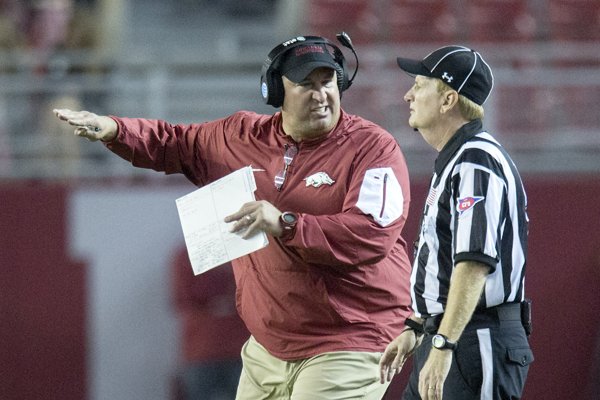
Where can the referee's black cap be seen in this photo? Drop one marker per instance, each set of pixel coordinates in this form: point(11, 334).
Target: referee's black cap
point(463, 69)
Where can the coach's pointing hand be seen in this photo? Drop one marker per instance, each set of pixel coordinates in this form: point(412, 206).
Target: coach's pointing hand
point(89, 125)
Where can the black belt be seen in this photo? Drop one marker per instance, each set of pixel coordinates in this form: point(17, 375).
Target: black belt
point(503, 312)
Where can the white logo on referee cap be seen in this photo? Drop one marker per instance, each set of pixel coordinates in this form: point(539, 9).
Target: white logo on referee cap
point(447, 78)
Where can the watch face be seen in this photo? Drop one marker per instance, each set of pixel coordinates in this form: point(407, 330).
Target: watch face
point(441, 342)
point(438, 342)
point(288, 218)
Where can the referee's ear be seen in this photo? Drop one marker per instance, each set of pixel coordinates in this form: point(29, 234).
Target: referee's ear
point(450, 100)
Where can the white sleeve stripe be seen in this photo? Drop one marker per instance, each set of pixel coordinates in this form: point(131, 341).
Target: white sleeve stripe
point(381, 196)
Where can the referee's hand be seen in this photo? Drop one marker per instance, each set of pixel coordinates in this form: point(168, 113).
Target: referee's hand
point(89, 125)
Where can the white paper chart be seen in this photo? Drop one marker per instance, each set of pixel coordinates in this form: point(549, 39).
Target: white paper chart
point(201, 212)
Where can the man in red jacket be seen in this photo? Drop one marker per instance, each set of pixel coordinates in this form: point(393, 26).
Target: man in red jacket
point(327, 294)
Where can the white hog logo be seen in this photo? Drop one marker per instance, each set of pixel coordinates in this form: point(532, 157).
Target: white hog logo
point(318, 179)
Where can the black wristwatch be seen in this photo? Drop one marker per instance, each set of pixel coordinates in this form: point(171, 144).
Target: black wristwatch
point(288, 221)
point(441, 342)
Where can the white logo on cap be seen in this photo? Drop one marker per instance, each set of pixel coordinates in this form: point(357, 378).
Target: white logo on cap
point(294, 40)
point(447, 78)
point(264, 90)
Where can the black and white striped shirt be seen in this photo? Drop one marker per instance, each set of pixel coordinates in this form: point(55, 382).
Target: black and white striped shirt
point(475, 211)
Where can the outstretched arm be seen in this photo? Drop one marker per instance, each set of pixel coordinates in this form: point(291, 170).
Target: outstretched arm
point(89, 125)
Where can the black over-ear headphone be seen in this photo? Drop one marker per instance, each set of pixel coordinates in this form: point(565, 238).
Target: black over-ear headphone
point(271, 84)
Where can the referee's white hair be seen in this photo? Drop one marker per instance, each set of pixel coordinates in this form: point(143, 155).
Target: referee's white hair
point(468, 108)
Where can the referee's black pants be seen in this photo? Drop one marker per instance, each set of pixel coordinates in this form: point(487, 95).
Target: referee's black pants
point(490, 362)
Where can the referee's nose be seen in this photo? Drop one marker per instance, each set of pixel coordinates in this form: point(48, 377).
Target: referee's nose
point(408, 96)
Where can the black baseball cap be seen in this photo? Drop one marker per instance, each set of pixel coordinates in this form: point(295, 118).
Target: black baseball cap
point(301, 60)
point(463, 69)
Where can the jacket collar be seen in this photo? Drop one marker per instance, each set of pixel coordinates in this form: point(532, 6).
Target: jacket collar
point(462, 135)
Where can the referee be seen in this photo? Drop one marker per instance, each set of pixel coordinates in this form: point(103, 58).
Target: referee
point(470, 324)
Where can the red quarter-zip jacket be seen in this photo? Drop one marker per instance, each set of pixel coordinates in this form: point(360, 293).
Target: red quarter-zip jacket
point(342, 281)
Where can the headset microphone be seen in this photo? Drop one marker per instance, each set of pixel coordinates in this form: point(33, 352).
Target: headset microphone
point(345, 40)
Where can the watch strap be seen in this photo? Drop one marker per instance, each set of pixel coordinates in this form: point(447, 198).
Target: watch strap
point(415, 326)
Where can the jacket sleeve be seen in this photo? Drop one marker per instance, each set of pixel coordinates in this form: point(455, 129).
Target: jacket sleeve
point(158, 145)
point(373, 215)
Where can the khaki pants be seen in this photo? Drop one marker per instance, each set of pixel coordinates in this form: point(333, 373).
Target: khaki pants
point(329, 376)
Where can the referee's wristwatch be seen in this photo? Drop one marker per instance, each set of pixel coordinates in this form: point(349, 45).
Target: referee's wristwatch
point(288, 221)
point(441, 342)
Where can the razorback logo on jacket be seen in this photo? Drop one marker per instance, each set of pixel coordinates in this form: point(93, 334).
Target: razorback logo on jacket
point(318, 179)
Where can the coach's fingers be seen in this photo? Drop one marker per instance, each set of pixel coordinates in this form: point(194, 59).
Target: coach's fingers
point(264, 216)
point(75, 118)
point(89, 125)
point(386, 363)
point(241, 222)
point(91, 134)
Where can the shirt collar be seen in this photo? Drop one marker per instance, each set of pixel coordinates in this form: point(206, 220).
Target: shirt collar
point(462, 135)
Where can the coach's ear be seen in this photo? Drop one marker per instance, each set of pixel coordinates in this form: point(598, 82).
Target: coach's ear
point(450, 99)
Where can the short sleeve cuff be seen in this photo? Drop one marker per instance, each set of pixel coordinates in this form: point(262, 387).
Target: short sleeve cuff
point(478, 257)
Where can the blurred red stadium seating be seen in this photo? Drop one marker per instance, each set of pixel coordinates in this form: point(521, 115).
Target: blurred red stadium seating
point(419, 21)
point(537, 115)
point(574, 20)
point(528, 108)
point(499, 21)
point(356, 17)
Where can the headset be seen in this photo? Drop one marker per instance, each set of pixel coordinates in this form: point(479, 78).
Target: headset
point(271, 84)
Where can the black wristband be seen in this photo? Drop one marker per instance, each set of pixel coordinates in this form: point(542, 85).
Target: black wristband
point(415, 326)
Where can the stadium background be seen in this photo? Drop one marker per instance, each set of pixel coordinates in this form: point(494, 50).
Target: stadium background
point(86, 240)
